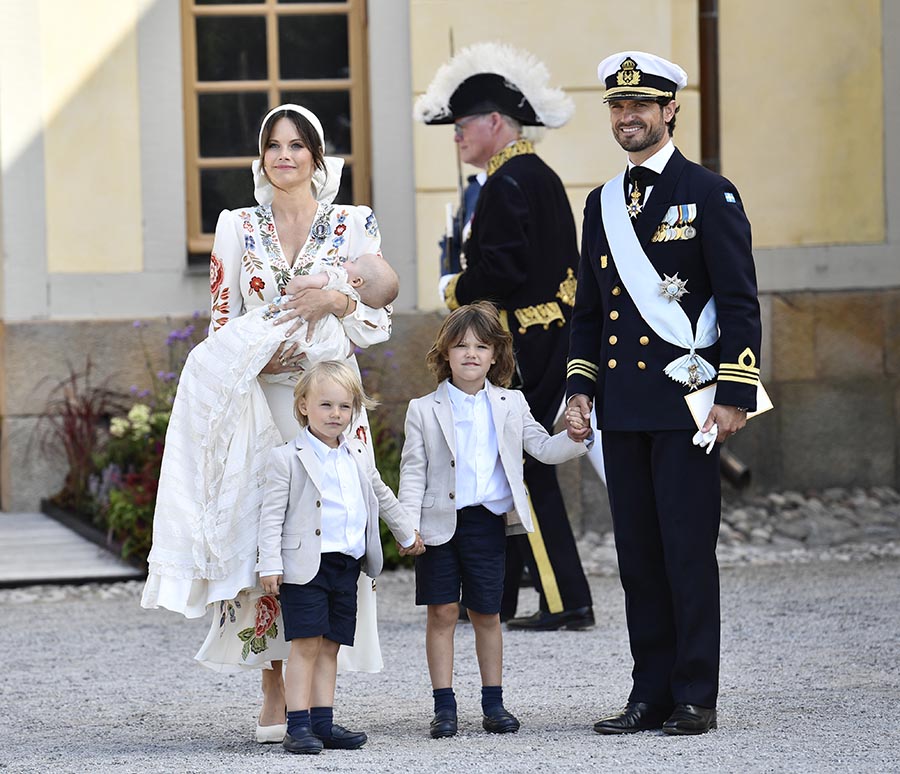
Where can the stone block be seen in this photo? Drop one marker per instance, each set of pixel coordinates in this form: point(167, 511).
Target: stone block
point(837, 433)
point(758, 447)
point(850, 334)
point(793, 336)
point(27, 473)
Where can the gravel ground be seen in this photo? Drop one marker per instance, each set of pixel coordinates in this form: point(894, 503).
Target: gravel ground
point(810, 682)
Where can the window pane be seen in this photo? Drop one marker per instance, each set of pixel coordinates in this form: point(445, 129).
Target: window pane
point(229, 123)
point(345, 192)
point(333, 110)
point(231, 48)
point(313, 47)
point(224, 2)
point(222, 189)
point(301, 1)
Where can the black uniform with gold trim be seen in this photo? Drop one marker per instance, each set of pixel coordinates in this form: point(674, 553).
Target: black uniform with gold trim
point(522, 255)
point(664, 492)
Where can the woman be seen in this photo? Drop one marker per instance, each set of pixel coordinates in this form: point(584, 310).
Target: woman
point(201, 555)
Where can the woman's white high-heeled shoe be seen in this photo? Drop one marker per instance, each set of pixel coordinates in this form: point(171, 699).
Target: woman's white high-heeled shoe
point(271, 734)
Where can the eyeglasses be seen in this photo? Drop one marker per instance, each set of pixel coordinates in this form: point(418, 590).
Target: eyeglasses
point(460, 126)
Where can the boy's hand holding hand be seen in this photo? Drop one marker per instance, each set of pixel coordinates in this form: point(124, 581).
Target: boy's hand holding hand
point(270, 583)
point(578, 418)
point(415, 549)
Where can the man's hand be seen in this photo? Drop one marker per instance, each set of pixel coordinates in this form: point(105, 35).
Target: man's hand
point(729, 419)
point(578, 417)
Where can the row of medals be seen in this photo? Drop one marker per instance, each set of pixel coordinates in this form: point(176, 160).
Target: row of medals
point(666, 233)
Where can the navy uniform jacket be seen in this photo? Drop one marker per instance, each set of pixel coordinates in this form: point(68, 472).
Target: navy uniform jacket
point(521, 251)
point(615, 357)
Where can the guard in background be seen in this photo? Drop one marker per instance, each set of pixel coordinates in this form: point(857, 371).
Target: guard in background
point(666, 303)
point(522, 256)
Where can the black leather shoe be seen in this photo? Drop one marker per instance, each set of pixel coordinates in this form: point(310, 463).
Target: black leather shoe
point(690, 719)
point(443, 724)
point(500, 722)
point(542, 621)
point(637, 716)
point(303, 741)
point(342, 739)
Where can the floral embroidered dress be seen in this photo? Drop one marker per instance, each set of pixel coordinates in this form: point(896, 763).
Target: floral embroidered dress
point(248, 270)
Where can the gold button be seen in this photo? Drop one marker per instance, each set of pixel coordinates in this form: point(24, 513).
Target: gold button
point(613, 339)
point(613, 315)
point(641, 364)
point(616, 290)
point(644, 340)
point(612, 363)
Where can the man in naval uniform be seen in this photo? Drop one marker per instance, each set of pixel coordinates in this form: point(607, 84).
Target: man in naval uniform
point(521, 255)
point(666, 303)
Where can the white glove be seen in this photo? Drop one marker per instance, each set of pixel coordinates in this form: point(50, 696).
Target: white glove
point(707, 439)
point(442, 285)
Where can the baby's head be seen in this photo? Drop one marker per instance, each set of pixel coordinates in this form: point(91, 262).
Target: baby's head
point(483, 321)
point(329, 389)
point(374, 279)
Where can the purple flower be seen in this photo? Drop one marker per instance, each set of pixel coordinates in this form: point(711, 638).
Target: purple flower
point(195, 316)
point(137, 324)
point(389, 353)
point(133, 389)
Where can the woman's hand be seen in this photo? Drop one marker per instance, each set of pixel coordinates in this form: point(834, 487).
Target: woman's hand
point(310, 306)
point(287, 359)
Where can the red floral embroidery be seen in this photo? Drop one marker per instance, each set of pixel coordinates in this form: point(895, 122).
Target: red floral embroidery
point(340, 229)
point(266, 613)
point(216, 274)
point(361, 434)
point(256, 284)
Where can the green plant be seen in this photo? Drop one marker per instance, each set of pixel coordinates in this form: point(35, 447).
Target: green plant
point(73, 427)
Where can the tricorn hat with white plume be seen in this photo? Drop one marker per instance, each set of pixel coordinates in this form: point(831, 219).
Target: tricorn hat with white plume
point(487, 77)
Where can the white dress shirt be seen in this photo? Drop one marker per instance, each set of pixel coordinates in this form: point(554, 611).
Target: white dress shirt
point(657, 162)
point(343, 508)
point(480, 478)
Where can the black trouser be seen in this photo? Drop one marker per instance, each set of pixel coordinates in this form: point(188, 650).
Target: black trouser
point(666, 504)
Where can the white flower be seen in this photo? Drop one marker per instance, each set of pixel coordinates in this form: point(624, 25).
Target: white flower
point(118, 427)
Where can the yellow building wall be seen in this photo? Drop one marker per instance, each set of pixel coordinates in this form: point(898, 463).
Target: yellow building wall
point(802, 118)
point(571, 37)
point(90, 115)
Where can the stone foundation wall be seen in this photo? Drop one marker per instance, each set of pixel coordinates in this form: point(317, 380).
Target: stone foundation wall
point(831, 363)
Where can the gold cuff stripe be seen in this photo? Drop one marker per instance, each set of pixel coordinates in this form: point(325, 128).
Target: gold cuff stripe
point(450, 293)
point(585, 363)
point(739, 372)
point(579, 372)
point(739, 367)
point(741, 379)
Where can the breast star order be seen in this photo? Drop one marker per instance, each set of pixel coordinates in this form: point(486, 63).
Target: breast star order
point(673, 288)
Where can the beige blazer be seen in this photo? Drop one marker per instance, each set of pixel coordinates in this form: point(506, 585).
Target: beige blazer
point(428, 464)
point(290, 525)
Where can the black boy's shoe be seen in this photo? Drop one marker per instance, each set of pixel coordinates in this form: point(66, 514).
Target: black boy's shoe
point(443, 724)
point(302, 741)
point(580, 618)
point(637, 716)
point(501, 721)
point(690, 719)
point(342, 739)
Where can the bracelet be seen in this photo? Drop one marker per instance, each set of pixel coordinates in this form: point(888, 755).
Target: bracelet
point(346, 308)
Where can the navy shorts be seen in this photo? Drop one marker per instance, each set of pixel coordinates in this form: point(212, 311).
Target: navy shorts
point(474, 559)
point(326, 606)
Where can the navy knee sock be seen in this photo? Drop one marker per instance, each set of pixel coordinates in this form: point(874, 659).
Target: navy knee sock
point(444, 699)
point(322, 719)
point(296, 720)
point(491, 699)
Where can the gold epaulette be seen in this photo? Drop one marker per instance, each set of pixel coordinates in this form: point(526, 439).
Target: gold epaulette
point(450, 293)
point(541, 314)
point(744, 371)
point(579, 367)
point(567, 289)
